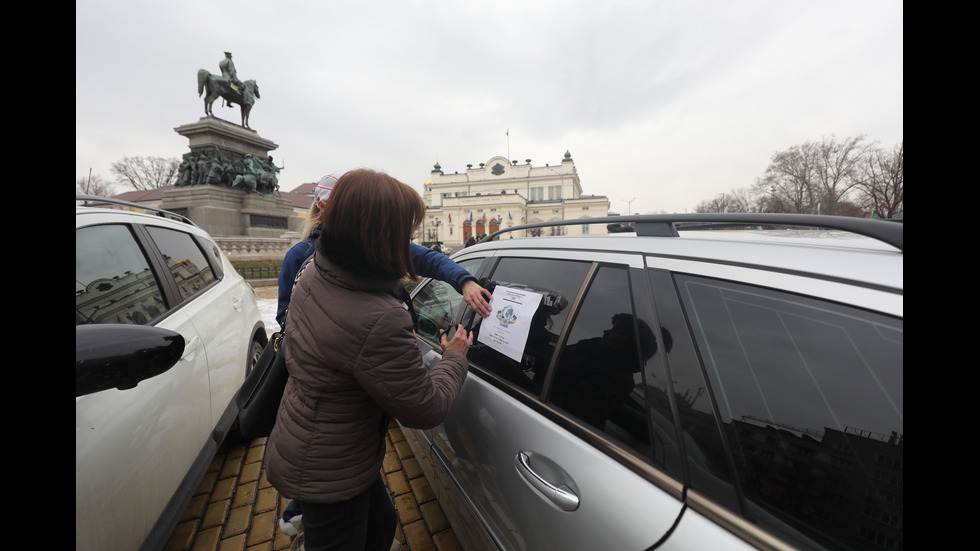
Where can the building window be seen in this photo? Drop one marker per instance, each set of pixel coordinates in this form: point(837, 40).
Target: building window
point(585, 229)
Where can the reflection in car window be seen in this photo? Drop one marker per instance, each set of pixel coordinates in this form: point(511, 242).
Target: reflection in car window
point(597, 377)
point(811, 397)
point(113, 280)
point(435, 304)
point(559, 281)
point(187, 263)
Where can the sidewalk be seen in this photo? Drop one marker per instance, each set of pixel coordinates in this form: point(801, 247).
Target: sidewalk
point(236, 509)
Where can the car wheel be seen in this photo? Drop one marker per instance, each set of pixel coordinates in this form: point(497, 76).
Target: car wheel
point(253, 357)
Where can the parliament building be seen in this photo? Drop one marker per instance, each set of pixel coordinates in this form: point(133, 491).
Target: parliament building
point(502, 193)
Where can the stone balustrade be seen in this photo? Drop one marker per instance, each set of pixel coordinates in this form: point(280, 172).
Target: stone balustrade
point(255, 248)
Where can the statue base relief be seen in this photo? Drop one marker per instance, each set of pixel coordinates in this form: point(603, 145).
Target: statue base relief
point(248, 221)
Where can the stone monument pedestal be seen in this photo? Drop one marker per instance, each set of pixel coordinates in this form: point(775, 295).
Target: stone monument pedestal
point(220, 189)
point(227, 212)
point(209, 131)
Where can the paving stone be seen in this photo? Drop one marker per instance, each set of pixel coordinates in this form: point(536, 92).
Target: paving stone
point(434, 517)
point(216, 514)
point(236, 508)
point(408, 510)
point(238, 522)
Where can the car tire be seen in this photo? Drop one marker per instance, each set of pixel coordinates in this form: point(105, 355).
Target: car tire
point(253, 356)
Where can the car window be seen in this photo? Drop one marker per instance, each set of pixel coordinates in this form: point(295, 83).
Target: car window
point(598, 375)
point(184, 258)
point(559, 281)
point(113, 280)
point(810, 395)
point(437, 303)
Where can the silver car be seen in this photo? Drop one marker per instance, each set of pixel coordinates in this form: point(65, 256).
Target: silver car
point(165, 332)
point(693, 382)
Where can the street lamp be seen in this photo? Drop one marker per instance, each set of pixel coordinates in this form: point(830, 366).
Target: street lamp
point(629, 209)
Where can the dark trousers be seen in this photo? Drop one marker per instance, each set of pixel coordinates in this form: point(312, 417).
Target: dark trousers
point(365, 522)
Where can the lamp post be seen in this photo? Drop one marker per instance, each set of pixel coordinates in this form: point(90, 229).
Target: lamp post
point(629, 204)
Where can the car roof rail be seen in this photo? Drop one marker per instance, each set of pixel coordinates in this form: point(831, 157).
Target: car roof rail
point(889, 231)
point(158, 211)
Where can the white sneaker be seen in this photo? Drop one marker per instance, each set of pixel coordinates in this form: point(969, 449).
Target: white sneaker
point(298, 544)
point(395, 545)
point(292, 527)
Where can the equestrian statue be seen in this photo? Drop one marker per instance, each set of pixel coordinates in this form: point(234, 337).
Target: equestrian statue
point(228, 87)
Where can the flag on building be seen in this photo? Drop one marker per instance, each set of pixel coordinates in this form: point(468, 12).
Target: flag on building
point(471, 216)
point(509, 217)
point(450, 218)
point(484, 218)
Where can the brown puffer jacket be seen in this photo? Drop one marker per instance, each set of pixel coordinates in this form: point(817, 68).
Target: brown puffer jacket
point(352, 362)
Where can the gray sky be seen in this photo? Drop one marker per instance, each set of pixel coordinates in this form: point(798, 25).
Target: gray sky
point(663, 102)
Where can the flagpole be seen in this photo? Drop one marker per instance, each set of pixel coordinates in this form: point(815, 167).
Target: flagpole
point(508, 144)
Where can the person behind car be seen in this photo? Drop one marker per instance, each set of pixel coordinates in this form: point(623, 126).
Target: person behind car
point(353, 363)
point(437, 266)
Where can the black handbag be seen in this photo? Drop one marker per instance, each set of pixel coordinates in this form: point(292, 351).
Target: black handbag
point(259, 396)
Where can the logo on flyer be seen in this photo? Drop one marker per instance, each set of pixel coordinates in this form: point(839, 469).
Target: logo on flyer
point(506, 316)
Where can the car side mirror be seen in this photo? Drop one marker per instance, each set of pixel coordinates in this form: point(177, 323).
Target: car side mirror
point(121, 355)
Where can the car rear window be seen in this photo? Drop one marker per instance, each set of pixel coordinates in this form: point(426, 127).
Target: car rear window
point(186, 261)
point(811, 399)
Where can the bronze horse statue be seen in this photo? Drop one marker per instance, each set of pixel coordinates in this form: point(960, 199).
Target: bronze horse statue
point(217, 86)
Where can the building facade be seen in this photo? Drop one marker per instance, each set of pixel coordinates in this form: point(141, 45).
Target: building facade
point(501, 193)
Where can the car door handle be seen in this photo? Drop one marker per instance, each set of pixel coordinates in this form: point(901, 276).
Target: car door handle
point(562, 496)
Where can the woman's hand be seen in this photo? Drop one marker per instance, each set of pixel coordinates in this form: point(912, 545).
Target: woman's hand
point(477, 297)
point(461, 341)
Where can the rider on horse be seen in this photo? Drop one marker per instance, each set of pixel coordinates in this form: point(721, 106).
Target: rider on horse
point(228, 71)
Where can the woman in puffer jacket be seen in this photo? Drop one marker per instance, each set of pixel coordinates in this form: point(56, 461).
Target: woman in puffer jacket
point(353, 363)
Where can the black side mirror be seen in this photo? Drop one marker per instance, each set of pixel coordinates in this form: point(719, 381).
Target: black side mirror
point(120, 356)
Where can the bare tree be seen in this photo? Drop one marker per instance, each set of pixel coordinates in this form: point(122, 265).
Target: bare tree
point(144, 173)
point(815, 177)
point(94, 185)
point(839, 171)
point(882, 182)
point(790, 179)
point(737, 200)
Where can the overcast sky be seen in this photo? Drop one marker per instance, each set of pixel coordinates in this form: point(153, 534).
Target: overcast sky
point(662, 103)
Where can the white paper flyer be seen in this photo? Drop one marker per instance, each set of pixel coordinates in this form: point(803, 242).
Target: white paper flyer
point(507, 328)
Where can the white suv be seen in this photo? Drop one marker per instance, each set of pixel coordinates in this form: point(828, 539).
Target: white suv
point(165, 332)
point(690, 382)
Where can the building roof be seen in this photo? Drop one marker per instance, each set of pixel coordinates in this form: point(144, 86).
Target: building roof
point(143, 196)
point(301, 195)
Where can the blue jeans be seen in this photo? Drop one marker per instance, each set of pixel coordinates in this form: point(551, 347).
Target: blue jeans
point(366, 522)
point(294, 508)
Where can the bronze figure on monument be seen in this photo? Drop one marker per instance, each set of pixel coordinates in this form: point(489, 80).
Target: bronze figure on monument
point(227, 86)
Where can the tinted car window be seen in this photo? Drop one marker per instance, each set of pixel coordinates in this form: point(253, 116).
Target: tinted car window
point(113, 280)
point(559, 281)
point(598, 375)
point(810, 395)
point(184, 258)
